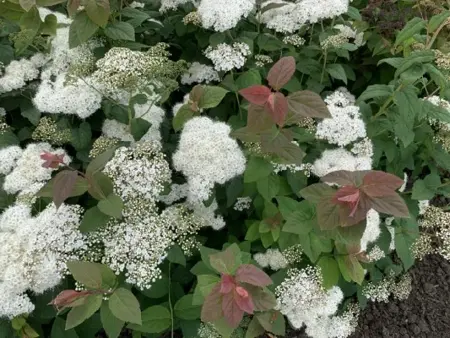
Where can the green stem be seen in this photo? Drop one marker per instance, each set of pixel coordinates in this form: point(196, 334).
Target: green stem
point(436, 33)
point(324, 65)
point(170, 302)
point(387, 103)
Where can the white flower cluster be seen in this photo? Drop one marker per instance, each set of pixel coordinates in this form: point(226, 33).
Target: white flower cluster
point(344, 36)
point(289, 17)
point(303, 300)
point(243, 203)
point(381, 291)
point(56, 93)
point(27, 170)
point(199, 73)
point(372, 230)
point(207, 155)
point(423, 206)
point(345, 125)
point(344, 128)
point(33, 252)
point(227, 57)
point(272, 258)
point(167, 5)
point(436, 235)
point(224, 14)
point(375, 254)
point(18, 72)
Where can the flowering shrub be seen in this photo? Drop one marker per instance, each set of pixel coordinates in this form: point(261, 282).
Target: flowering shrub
point(218, 168)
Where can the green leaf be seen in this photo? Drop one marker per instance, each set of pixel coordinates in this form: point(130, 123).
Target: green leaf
point(211, 97)
point(111, 206)
point(437, 20)
point(205, 284)
point(58, 330)
point(81, 186)
point(120, 30)
point(376, 91)
point(216, 39)
point(269, 43)
point(272, 321)
point(287, 206)
point(27, 4)
point(248, 78)
point(277, 143)
point(416, 57)
point(353, 13)
point(100, 185)
point(254, 329)
point(184, 308)
point(302, 220)
point(405, 236)
point(350, 268)
point(79, 314)
point(86, 273)
point(29, 111)
point(268, 186)
point(313, 245)
point(226, 261)
point(407, 103)
point(184, 114)
point(155, 319)
point(139, 127)
point(330, 271)
point(159, 288)
point(98, 11)
point(93, 219)
point(420, 191)
point(124, 305)
point(411, 28)
point(176, 255)
point(205, 253)
point(257, 168)
point(337, 71)
point(111, 324)
point(81, 137)
point(81, 29)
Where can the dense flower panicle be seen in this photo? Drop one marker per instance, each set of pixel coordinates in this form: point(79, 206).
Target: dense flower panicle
point(29, 168)
point(33, 252)
point(139, 171)
point(227, 57)
point(303, 300)
point(47, 130)
point(222, 15)
point(207, 155)
point(381, 291)
point(345, 125)
point(339, 159)
point(102, 144)
point(272, 258)
point(207, 215)
point(345, 35)
point(177, 192)
point(294, 40)
point(243, 203)
point(8, 158)
point(293, 15)
point(423, 206)
point(199, 73)
point(262, 60)
point(19, 72)
point(375, 254)
point(167, 5)
point(436, 235)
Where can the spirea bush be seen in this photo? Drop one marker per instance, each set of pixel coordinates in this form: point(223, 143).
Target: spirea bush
point(212, 168)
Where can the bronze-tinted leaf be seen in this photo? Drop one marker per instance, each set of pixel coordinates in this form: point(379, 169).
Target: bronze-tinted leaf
point(379, 183)
point(243, 300)
point(276, 142)
point(281, 72)
point(256, 94)
point(248, 273)
point(231, 311)
point(277, 107)
point(258, 119)
point(345, 177)
point(64, 183)
point(391, 205)
point(212, 306)
point(328, 214)
point(307, 104)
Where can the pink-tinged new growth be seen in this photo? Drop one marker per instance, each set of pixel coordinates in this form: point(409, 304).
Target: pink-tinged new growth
point(348, 195)
point(257, 94)
point(52, 160)
point(250, 274)
point(277, 106)
point(69, 298)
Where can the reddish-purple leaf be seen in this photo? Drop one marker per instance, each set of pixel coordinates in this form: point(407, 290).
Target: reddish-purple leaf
point(250, 274)
point(52, 160)
point(258, 119)
point(345, 177)
point(244, 300)
point(63, 185)
point(212, 306)
point(315, 192)
point(277, 107)
point(69, 298)
point(256, 94)
point(349, 219)
point(328, 214)
point(281, 72)
point(263, 299)
point(231, 311)
point(391, 205)
point(379, 183)
point(227, 284)
point(306, 104)
point(348, 195)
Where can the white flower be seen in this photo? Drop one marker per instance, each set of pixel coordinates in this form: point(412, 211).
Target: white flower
point(207, 155)
point(177, 192)
point(391, 230)
point(173, 4)
point(293, 15)
point(137, 4)
point(227, 57)
point(375, 254)
point(272, 258)
point(8, 158)
point(76, 98)
point(18, 72)
point(363, 148)
point(199, 73)
point(339, 159)
point(29, 169)
point(223, 14)
point(372, 230)
point(207, 215)
point(2, 112)
point(302, 299)
point(405, 181)
point(243, 203)
point(423, 206)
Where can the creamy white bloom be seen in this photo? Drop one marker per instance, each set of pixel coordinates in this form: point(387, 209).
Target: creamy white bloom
point(372, 230)
point(272, 258)
point(177, 192)
point(2, 111)
point(339, 159)
point(199, 73)
point(293, 15)
point(375, 254)
point(29, 169)
point(227, 57)
point(423, 206)
point(207, 155)
point(173, 4)
point(243, 203)
point(137, 4)
point(207, 215)
point(8, 158)
point(222, 15)
point(405, 181)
